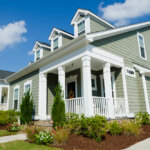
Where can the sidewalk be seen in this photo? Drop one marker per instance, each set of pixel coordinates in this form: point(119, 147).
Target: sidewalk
point(143, 145)
point(10, 138)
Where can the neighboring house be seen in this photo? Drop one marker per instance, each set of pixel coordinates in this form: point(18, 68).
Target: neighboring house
point(4, 89)
point(102, 70)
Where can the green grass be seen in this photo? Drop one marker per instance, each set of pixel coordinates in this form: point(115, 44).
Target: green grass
point(5, 133)
point(22, 145)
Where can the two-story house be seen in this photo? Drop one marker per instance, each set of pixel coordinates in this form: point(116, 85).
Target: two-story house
point(102, 70)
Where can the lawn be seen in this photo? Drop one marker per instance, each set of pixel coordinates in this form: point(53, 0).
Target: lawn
point(5, 133)
point(22, 145)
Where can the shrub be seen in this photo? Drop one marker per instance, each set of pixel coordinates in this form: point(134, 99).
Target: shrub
point(58, 108)
point(44, 137)
point(26, 108)
point(8, 117)
point(13, 128)
point(93, 127)
point(61, 136)
point(130, 128)
point(115, 128)
point(142, 118)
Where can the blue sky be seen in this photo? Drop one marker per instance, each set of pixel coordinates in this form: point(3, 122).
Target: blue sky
point(33, 20)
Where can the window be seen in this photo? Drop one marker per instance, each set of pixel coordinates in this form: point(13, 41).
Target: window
point(81, 27)
point(56, 43)
point(141, 46)
point(38, 55)
point(130, 72)
point(27, 86)
point(16, 98)
point(93, 82)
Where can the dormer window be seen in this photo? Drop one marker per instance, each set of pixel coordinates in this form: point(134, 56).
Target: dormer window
point(56, 43)
point(37, 54)
point(81, 27)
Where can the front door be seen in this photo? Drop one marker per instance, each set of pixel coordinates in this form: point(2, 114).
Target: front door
point(71, 90)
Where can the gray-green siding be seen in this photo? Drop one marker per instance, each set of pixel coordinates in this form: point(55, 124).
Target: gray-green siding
point(126, 46)
point(34, 76)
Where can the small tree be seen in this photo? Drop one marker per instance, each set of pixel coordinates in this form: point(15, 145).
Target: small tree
point(26, 108)
point(58, 108)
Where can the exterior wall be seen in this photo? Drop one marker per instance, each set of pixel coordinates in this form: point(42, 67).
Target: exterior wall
point(96, 26)
point(46, 52)
point(78, 73)
point(52, 82)
point(34, 76)
point(126, 46)
point(65, 40)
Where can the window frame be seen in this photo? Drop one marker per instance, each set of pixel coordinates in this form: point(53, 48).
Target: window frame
point(82, 31)
point(131, 69)
point(28, 82)
point(16, 87)
point(55, 47)
point(138, 35)
point(93, 77)
point(37, 58)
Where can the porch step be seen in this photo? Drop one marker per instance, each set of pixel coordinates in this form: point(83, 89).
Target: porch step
point(43, 123)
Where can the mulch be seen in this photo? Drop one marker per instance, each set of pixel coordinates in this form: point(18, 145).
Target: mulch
point(109, 143)
point(4, 127)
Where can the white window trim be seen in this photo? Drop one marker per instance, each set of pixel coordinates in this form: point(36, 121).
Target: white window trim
point(69, 80)
point(130, 75)
point(114, 85)
point(94, 77)
point(139, 34)
point(16, 87)
point(84, 26)
point(59, 36)
point(41, 53)
point(26, 83)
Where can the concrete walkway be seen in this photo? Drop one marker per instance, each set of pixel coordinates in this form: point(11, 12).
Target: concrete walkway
point(5, 139)
point(143, 145)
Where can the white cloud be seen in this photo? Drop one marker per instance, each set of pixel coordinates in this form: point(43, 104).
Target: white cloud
point(30, 53)
point(11, 34)
point(121, 13)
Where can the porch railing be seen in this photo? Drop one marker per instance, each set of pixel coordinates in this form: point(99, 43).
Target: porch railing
point(75, 105)
point(100, 106)
point(3, 106)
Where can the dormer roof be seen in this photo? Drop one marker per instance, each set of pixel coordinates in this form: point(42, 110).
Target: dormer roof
point(41, 44)
point(86, 12)
point(58, 31)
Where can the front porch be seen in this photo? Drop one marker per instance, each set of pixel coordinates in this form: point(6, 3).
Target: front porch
point(89, 87)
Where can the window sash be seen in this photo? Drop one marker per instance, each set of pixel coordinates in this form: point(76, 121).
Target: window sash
point(37, 54)
point(27, 88)
point(16, 94)
point(141, 46)
point(15, 104)
point(81, 27)
point(56, 43)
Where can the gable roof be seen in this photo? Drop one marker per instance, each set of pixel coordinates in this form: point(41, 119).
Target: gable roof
point(60, 31)
point(4, 74)
point(87, 12)
point(42, 44)
point(112, 32)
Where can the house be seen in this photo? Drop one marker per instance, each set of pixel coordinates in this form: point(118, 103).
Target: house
point(4, 89)
point(102, 70)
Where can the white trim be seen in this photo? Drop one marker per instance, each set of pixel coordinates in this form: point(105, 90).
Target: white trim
point(94, 77)
point(145, 93)
point(59, 31)
point(87, 24)
point(130, 69)
point(142, 69)
point(35, 53)
point(8, 97)
point(114, 84)
point(16, 87)
point(37, 43)
point(69, 80)
point(87, 12)
point(28, 82)
point(108, 33)
point(138, 35)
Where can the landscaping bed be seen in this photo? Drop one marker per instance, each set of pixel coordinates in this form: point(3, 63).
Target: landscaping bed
point(110, 142)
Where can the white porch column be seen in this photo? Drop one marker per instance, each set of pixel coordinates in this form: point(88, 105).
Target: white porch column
point(43, 97)
point(0, 96)
point(61, 78)
point(108, 89)
point(145, 93)
point(125, 90)
point(87, 89)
